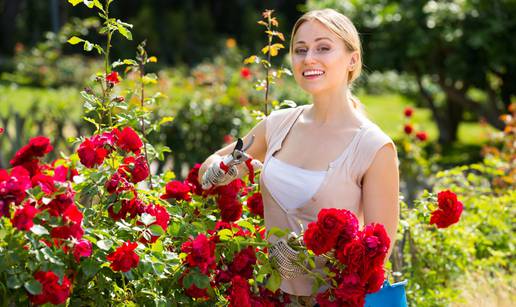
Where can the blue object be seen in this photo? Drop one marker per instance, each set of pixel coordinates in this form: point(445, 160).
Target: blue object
point(388, 296)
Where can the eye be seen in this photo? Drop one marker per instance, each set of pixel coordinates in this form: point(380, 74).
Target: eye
point(323, 49)
point(300, 50)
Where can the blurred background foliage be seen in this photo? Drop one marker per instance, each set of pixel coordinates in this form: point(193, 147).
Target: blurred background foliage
point(451, 60)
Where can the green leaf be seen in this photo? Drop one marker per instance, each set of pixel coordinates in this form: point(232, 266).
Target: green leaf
point(225, 234)
point(39, 230)
point(188, 280)
point(74, 2)
point(90, 267)
point(278, 232)
point(98, 5)
point(88, 3)
point(252, 59)
point(74, 40)
point(150, 79)
point(201, 281)
point(33, 286)
point(123, 30)
point(156, 230)
point(274, 281)
point(105, 244)
point(147, 219)
point(166, 119)
point(246, 224)
point(87, 46)
point(14, 282)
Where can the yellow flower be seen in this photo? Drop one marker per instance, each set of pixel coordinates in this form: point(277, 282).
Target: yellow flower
point(230, 43)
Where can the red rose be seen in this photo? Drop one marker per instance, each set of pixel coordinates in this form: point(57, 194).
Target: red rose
point(351, 290)
point(91, 155)
point(326, 299)
point(23, 217)
point(177, 190)
point(124, 258)
point(245, 73)
point(243, 263)
point(255, 204)
point(408, 128)
point(136, 167)
point(67, 232)
point(376, 242)
point(1, 130)
point(129, 140)
point(318, 241)
point(375, 280)
point(72, 214)
point(228, 139)
point(240, 295)
point(422, 136)
point(13, 188)
point(339, 223)
point(32, 166)
point(449, 211)
point(82, 248)
point(201, 253)
point(231, 190)
point(63, 173)
point(113, 77)
point(37, 147)
point(52, 291)
point(193, 180)
point(46, 183)
point(58, 205)
point(353, 256)
point(230, 208)
point(408, 111)
point(162, 219)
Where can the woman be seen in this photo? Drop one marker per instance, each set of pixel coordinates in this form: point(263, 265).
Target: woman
point(325, 154)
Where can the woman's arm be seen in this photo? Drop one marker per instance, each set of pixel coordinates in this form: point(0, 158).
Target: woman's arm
point(257, 149)
point(380, 190)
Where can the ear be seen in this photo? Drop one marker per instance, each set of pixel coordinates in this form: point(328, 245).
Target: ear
point(354, 61)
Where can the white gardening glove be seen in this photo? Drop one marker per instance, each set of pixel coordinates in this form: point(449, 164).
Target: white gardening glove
point(216, 176)
point(285, 259)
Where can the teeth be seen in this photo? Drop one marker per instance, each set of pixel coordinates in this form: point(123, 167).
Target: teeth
point(313, 73)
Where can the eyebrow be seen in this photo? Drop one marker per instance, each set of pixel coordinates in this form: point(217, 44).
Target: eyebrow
point(317, 39)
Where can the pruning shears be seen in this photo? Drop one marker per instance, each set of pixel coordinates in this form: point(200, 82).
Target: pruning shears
point(238, 155)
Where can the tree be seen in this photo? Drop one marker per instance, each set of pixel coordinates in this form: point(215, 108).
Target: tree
point(460, 52)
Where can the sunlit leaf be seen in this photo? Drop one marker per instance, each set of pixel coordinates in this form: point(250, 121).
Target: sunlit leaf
point(74, 40)
point(75, 2)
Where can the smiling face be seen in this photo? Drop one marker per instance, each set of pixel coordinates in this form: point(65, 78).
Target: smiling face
point(320, 59)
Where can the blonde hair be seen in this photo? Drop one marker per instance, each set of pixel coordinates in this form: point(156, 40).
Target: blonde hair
point(343, 28)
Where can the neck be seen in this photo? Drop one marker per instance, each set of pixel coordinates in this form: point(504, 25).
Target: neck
point(334, 108)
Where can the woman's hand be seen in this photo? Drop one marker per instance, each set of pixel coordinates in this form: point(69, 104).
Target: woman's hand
point(216, 176)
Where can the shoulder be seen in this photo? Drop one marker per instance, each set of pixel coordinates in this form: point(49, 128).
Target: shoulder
point(280, 119)
point(376, 149)
point(283, 114)
point(375, 137)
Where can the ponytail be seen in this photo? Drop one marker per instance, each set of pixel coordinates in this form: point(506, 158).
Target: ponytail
point(356, 104)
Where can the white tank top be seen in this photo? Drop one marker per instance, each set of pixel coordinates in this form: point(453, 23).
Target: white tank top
point(292, 186)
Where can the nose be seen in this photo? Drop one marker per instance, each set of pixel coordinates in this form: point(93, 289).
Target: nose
point(309, 57)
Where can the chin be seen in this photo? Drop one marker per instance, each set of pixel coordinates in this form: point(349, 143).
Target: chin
point(313, 90)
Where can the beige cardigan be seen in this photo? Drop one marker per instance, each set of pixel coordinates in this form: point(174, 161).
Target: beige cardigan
point(341, 188)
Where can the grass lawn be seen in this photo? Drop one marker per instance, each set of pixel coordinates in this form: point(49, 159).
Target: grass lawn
point(386, 110)
point(21, 99)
